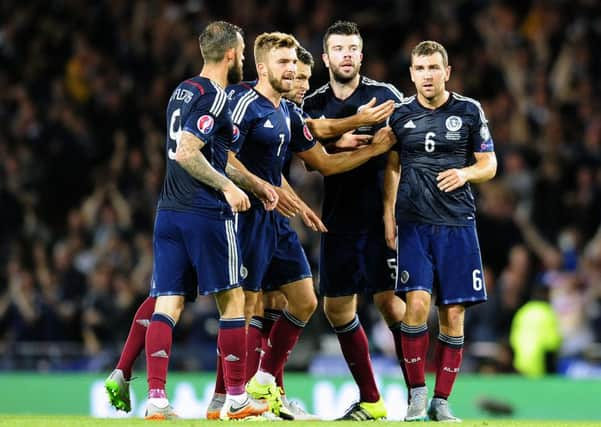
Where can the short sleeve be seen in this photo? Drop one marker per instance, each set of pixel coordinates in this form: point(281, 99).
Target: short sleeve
point(204, 114)
point(480, 134)
point(302, 139)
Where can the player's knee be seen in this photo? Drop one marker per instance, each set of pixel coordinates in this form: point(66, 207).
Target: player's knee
point(452, 319)
point(417, 311)
point(392, 308)
point(305, 307)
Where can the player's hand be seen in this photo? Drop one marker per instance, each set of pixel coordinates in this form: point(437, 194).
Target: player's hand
point(267, 194)
point(383, 140)
point(312, 220)
point(390, 231)
point(451, 179)
point(288, 203)
point(236, 198)
point(372, 114)
point(350, 141)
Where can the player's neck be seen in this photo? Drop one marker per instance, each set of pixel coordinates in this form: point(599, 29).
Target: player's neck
point(344, 90)
point(215, 72)
point(265, 89)
point(434, 103)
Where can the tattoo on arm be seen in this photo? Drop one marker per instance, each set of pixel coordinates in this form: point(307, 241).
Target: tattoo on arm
point(190, 158)
point(239, 178)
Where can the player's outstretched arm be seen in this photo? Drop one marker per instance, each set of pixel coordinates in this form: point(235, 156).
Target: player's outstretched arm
point(483, 170)
point(189, 157)
point(370, 115)
point(309, 217)
point(244, 178)
point(392, 176)
point(328, 164)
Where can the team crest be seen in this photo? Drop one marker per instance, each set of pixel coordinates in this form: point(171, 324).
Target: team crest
point(235, 133)
point(404, 276)
point(205, 124)
point(307, 133)
point(243, 272)
point(453, 123)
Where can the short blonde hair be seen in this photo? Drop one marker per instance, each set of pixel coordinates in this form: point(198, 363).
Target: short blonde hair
point(276, 40)
point(429, 47)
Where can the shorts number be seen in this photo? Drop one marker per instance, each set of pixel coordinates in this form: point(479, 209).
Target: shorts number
point(477, 281)
point(391, 262)
point(429, 142)
point(175, 132)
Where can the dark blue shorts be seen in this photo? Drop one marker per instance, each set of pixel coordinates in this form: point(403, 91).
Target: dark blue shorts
point(272, 253)
point(441, 258)
point(191, 248)
point(355, 263)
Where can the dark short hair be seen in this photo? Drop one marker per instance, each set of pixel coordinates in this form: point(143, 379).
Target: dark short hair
point(344, 28)
point(305, 56)
point(217, 38)
point(429, 47)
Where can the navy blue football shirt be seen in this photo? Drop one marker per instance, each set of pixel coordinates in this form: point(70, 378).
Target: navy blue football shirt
point(429, 142)
point(201, 107)
point(263, 134)
point(353, 200)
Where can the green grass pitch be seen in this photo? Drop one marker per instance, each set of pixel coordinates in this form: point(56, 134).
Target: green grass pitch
point(68, 421)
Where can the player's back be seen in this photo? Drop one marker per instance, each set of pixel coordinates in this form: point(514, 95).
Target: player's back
point(201, 107)
point(353, 200)
point(429, 142)
point(261, 135)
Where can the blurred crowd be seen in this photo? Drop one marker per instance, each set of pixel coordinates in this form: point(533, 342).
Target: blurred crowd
point(83, 90)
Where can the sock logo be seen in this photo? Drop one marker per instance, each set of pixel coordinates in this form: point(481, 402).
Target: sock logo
point(451, 370)
point(231, 358)
point(413, 360)
point(143, 322)
point(161, 353)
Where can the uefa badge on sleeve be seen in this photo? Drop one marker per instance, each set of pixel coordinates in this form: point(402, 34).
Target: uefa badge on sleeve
point(307, 133)
point(205, 124)
point(235, 133)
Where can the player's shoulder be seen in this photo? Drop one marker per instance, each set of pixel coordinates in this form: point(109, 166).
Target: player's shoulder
point(388, 89)
point(469, 105)
point(235, 89)
point(203, 92)
point(406, 105)
point(243, 103)
point(316, 96)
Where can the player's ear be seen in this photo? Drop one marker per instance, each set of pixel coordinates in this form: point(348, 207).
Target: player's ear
point(261, 69)
point(230, 54)
point(411, 74)
point(325, 59)
point(447, 73)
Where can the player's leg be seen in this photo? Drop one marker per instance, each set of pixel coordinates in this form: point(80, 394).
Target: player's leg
point(253, 312)
point(159, 339)
point(415, 278)
point(382, 277)
point(117, 383)
point(274, 303)
point(232, 351)
point(460, 284)
point(171, 269)
point(342, 276)
point(215, 254)
point(285, 333)
point(449, 352)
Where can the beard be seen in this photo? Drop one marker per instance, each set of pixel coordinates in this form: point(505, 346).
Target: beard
point(234, 74)
point(276, 83)
point(344, 78)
